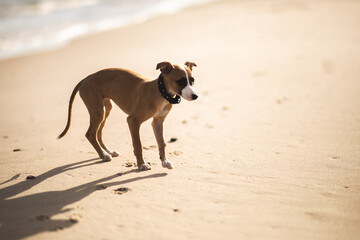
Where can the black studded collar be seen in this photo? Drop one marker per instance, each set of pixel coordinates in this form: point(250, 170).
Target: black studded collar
point(165, 94)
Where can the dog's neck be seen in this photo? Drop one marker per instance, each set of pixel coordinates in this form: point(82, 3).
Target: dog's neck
point(170, 98)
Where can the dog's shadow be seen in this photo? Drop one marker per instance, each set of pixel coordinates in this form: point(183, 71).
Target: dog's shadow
point(25, 216)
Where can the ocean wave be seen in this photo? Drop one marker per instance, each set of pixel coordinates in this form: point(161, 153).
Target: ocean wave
point(28, 26)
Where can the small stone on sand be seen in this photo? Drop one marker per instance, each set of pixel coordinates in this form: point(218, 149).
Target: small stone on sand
point(173, 140)
point(121, 190)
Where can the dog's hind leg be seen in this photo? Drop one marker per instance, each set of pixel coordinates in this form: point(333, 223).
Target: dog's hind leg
point(108, 107)
point(95, 107)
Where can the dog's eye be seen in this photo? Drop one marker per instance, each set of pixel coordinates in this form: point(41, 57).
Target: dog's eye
point(182, 82)
point(192, 81)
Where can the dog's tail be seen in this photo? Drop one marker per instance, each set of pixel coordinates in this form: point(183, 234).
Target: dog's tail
point(76, 89)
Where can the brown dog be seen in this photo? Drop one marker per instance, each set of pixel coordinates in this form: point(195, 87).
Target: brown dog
point(138, 97)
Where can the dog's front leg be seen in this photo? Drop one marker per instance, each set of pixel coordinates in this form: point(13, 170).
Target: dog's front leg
point(157, 125)
point(134, 126)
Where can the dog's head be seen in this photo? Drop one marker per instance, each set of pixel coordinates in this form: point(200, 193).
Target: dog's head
point(178, 79)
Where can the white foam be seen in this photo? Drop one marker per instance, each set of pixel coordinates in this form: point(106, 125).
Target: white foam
point(26, 27)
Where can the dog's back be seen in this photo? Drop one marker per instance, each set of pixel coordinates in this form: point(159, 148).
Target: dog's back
point(122, 86)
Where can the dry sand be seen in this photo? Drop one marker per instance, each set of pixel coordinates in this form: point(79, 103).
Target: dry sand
point(270, 150)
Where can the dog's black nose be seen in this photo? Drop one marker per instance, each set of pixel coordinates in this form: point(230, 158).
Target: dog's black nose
point(194, 97)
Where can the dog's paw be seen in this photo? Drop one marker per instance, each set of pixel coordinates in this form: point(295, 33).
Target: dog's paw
point(114, 153)
point(106, 157)
point(144, 167)
point(167, 164)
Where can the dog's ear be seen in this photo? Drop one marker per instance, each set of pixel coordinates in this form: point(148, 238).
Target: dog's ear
point(190, 65)
point(165, 67)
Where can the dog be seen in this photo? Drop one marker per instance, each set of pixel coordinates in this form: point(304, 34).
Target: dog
point(139, 97)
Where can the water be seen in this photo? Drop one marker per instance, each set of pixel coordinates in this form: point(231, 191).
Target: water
point(28, 26)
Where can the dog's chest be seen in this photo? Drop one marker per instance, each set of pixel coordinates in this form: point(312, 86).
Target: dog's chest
point(163, 110)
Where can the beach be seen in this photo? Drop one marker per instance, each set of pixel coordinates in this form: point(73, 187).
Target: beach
point(269, 150)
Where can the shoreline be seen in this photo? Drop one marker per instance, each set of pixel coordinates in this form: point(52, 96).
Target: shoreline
point(59, 33)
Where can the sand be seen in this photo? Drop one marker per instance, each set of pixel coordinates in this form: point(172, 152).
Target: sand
point(270, 150)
